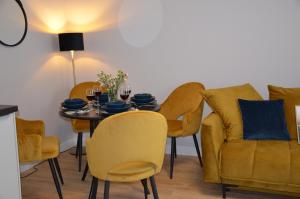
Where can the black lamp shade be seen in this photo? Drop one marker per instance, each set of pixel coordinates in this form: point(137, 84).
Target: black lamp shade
point(70, 41)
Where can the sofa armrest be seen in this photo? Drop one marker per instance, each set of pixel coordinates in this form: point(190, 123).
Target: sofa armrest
point(212, 138)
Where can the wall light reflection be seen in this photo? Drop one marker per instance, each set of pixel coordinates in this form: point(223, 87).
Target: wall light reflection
point(55, 16)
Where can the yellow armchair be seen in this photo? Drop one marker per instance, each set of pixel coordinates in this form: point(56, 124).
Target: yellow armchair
point(187, 102)
point(81, 126)
point(34, 146)
point(36, 127)
point(127, 147)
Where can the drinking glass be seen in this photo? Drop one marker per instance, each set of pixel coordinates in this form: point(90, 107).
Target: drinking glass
point(125, 92)
point(90, 95)
point(97, 93)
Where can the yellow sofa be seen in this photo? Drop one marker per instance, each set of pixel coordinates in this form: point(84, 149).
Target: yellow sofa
point(268, 166)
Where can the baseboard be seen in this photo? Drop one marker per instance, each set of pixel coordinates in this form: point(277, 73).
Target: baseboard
point(66, 145)
point(183, 150)
point(63, 147)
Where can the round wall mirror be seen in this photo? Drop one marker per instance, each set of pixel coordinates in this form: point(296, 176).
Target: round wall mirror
point(13, 23)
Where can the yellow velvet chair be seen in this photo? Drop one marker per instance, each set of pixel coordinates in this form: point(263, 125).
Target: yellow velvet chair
point(34, 146)
point(187, 102)
point(127, 147)
point(81, 126)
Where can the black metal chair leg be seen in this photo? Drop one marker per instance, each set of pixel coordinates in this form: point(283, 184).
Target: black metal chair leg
point(85, 172)
point(58, 170)
point(80, 151)
point(175, 149)
point(77, 146)
point(91, 189)
point(225, 189)
point(172, 156)
point(54, 175)
point(154, 188)
point(197, 149)
point(145, 185)
point(106, 189)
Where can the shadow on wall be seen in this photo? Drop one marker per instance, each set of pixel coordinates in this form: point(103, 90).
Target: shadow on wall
point(54, 16)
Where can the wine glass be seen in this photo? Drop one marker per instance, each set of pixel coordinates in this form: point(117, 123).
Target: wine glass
point(97, 93)
point(125, 93)
point(90, 95)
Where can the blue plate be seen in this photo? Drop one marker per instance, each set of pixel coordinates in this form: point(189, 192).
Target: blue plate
point(74, 101)
point(117, 104)
point(74, 106)
point(154, 102)
point(103, 97)
point(116, 110)
point(142, 96)
point(146, 100)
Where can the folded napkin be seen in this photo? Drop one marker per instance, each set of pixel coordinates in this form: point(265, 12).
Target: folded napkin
point(74, 101)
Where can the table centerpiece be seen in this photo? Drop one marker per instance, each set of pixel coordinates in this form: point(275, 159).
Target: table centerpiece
point(112, 83)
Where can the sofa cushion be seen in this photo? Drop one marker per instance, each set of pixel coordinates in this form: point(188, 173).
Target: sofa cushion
point(224, 102)
point(270, 162)
point(291, 97)
point(263, 120)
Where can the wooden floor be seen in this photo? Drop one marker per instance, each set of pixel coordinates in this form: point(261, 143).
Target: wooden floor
point(186, 184)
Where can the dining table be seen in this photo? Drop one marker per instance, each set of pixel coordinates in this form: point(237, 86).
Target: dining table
point(96, 115)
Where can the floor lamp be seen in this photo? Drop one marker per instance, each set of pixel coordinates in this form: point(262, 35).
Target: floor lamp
point(71, 42)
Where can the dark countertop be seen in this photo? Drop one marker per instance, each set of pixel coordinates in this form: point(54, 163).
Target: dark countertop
point(7, 109)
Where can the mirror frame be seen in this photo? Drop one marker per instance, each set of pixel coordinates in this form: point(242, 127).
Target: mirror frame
point(25, 29)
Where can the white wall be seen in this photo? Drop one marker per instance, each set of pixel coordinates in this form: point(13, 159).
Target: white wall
point(33, 75)
point(219, 43)
point(161, 44)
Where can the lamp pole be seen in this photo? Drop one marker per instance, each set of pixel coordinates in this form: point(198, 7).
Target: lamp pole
point(73, 66)
point(71, 42)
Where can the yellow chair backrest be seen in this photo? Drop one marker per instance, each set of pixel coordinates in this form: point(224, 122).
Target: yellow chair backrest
point(136, 136)
point(30, 127)
point(79, 91)
point(185, 98)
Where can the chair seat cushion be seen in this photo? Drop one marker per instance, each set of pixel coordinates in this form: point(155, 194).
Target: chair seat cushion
point(175, 128)
point(50, 147)
point(81, 125)
point(269, 162)
point(131, 170)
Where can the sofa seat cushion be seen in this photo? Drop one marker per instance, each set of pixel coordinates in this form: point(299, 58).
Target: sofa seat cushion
point(271, 162)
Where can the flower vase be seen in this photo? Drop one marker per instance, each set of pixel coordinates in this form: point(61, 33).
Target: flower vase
point(113, 95)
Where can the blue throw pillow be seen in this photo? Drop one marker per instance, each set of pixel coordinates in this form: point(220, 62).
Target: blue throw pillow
point(263, 120)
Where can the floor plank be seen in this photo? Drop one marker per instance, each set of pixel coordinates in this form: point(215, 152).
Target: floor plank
point(187, 183)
